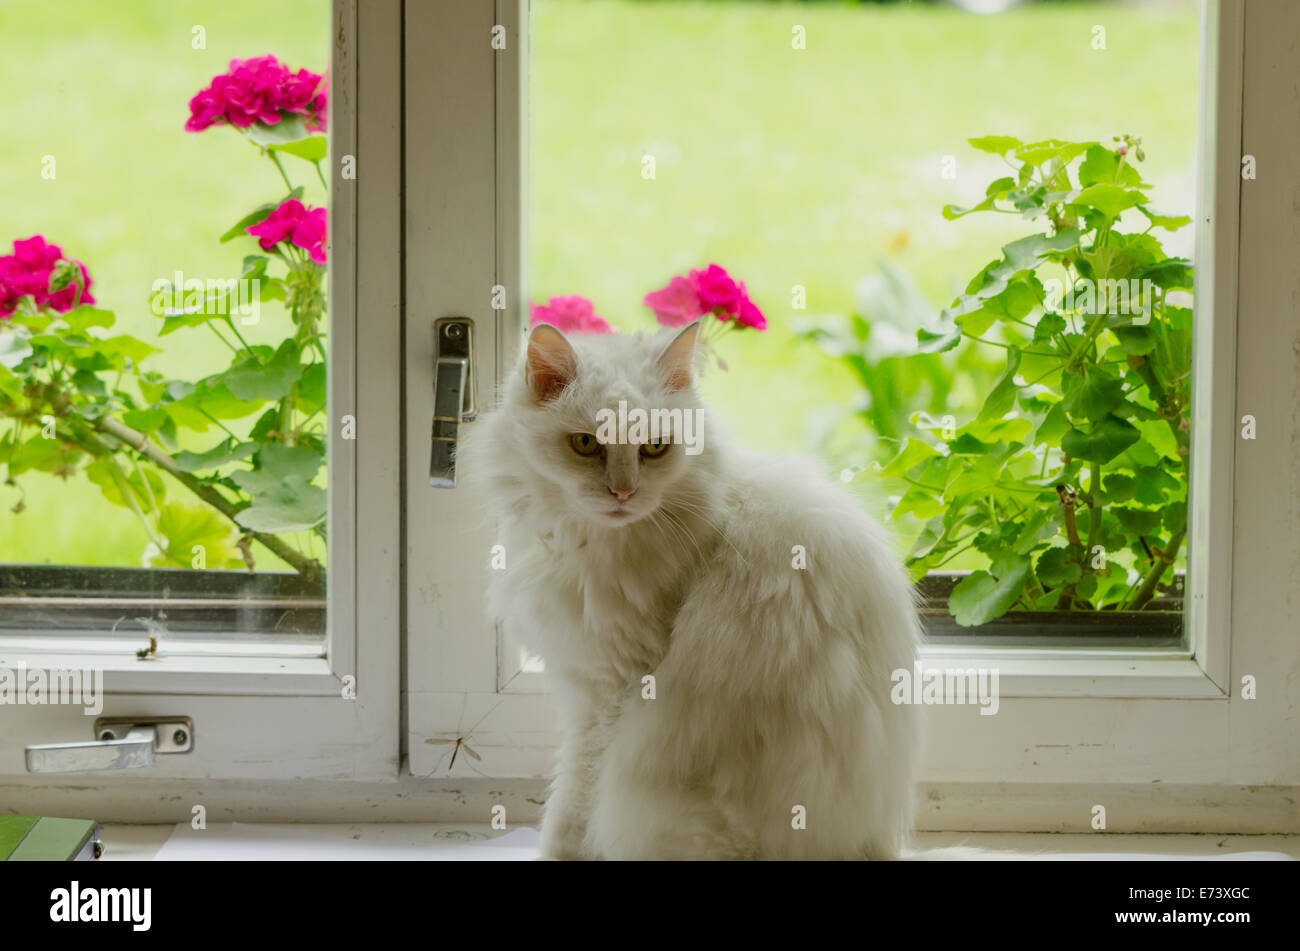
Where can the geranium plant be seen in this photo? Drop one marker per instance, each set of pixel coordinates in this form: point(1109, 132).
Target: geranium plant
point(1071, 479)
point(80, 400)
point(709, 292)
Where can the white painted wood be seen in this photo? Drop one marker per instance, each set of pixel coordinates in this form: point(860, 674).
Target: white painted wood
point(465, 226)
point(262, 717)
point(1111, 716)
point(1214, 432)
point(956, 807)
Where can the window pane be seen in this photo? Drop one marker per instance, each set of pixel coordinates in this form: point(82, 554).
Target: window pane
point(811, 150)
point(162, 418)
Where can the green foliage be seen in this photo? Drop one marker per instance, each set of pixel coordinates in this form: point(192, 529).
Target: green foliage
point(878, 344)
point(78, 399)
point(1071, 479)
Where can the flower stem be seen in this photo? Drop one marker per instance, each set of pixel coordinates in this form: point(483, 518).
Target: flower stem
point(309, 568)
point(276, 159)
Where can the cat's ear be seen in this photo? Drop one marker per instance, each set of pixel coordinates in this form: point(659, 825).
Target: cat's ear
point(551, 364)
point(675, 362)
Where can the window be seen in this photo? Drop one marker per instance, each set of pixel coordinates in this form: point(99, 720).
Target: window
point(433, 101)
point(188, 411)
point(588, 167)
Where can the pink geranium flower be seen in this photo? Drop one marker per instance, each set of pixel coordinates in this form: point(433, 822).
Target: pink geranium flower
point(711, 291)
point(573, 314)
point(717, 291)
point(26, 273)
point(320, 109)
point(261, 89)
point(677, 304)
point(293, 222)
point(750, 315)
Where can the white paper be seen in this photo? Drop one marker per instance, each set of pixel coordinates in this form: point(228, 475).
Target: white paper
point(240, 841)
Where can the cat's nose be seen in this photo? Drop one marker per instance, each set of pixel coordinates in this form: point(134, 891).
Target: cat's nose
point(622, 493)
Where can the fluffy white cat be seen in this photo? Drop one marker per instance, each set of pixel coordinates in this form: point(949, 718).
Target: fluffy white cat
point(768, 609)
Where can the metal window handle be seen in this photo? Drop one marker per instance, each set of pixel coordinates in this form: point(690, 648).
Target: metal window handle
point(453, 395)
point(119, 743)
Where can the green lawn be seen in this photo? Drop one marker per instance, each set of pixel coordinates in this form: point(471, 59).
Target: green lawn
point(789, 167)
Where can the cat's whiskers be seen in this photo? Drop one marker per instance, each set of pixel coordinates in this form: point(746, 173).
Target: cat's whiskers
point(681, 528)
point(704, 514)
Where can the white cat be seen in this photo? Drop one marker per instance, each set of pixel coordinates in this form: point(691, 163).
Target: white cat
point(767, 608)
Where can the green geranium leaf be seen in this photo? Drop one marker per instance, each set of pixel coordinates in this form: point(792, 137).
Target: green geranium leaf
point(937, 342)
point(1137, 521)
point(174, 322)
point(918, 502)
point(85, 316)
point(1170, 274)
point(995, 144)
point(1048, 326)
point(240, 228)
point(312, 148)
point(1093, 398)
point(1119, 487)
point(968, 445)
point(250, 380)
point(913, 453)
point(225, 452)
point(1110, 200)
point(1100, 165)
point(953, 212)
point(980, 597)
point(196, 537)
point(1036, 153)
point(124, 347)
point(1107, 439)
point(288, 461)
point(145, 420)
point(311, 389)
point(1000, 188)
point(1003, 395)
point(1168, 222)
point(114, 483)
point(291, 505)
point(289, 129)
point(1135, 340)
point(1057, 567)
point(15, 347)
point(1028, 252)
point(88, 383)
point(10, 385)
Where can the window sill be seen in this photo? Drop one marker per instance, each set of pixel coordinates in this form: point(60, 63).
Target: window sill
point(1026, 672)
point(235, 670)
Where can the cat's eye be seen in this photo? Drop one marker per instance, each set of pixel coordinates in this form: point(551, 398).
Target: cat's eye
point(584, 444)
point(655, 447)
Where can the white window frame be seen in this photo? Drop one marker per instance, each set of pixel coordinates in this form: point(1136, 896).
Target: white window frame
point(1123, 719)
point(275, 717)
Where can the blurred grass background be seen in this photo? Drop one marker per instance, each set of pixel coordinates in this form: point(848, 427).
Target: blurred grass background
point(788, 167)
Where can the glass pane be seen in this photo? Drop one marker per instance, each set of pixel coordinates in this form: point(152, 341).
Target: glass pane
point(1020, 373)
point(163, 322)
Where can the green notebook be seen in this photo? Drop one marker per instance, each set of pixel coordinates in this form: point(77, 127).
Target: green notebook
point(41, 839)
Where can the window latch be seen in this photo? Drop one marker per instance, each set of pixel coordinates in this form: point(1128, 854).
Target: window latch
point(453, 395)
point(119, 743)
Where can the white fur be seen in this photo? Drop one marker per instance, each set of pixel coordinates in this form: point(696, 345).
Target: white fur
point(772, 683)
